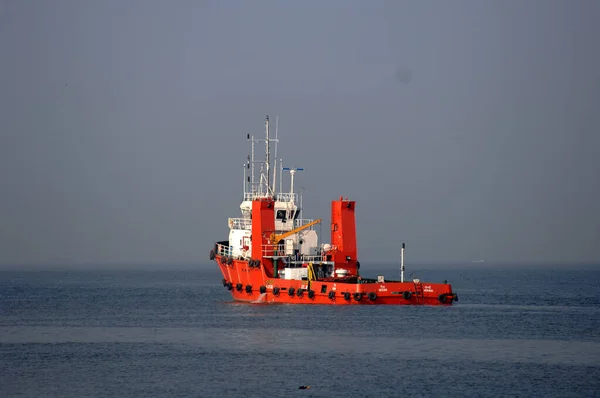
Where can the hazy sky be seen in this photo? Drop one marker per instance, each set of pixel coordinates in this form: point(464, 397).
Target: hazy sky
point(468, 129)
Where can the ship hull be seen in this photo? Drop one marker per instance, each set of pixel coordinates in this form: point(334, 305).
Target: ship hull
point(274, 255)
point(252, 285)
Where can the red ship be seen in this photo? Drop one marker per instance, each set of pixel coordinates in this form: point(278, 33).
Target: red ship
point(273, 255)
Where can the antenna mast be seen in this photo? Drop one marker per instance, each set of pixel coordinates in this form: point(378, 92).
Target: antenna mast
point(252, 185)
point(301, 195)
point(402, 263)
point(274, 189)
point(292, 173)
point(247, 186)
point(281, 175)
point(267, 155)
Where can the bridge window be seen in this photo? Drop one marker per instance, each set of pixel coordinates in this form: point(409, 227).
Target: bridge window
point(281, 215)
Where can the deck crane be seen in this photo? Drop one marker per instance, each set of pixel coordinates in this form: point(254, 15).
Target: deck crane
point(276, 238)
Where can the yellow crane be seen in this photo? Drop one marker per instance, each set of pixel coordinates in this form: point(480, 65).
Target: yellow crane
point(276, 238)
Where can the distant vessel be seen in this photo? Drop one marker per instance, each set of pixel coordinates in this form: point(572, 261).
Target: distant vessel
point(273, 255)
point(478, 261)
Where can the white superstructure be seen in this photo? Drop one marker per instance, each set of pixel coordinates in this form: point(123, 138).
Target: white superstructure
point(258, 184)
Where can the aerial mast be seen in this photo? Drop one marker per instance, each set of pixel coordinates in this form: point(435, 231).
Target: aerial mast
point(301, 195)
point(292, 173)
point(247, 185)
point(274, 189)
point(253, 183)
point(281, 175)
point(267, 155)
point(402, 263)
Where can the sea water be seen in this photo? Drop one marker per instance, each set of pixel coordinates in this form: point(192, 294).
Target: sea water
point(517, 330)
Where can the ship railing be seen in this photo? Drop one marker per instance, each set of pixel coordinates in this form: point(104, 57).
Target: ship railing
point(303, 221)
point(240, 223)
point(279, 251)
point(246, 223)
point(315, 259)
point(224, 250)
point(280, 197)
point(270, 250)
point(287, 197)
point(250, 196)
point(229, 251)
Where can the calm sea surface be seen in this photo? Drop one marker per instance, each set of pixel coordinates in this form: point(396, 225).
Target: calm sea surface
point(518, 331)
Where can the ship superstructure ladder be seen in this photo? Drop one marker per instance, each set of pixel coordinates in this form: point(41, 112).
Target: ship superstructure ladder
point(419, 296)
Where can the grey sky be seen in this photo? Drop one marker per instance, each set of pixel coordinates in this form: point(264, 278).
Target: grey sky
point(468, 129)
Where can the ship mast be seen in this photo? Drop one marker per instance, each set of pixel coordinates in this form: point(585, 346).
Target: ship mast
point(252, 184)
point(260, 185)
point(292, 173)
point(267, 156)
point(281, 175)
point(274, 189)
point(402, 263)
point(247, 184)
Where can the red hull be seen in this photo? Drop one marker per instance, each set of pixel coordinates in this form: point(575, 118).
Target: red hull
point(250, 284)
